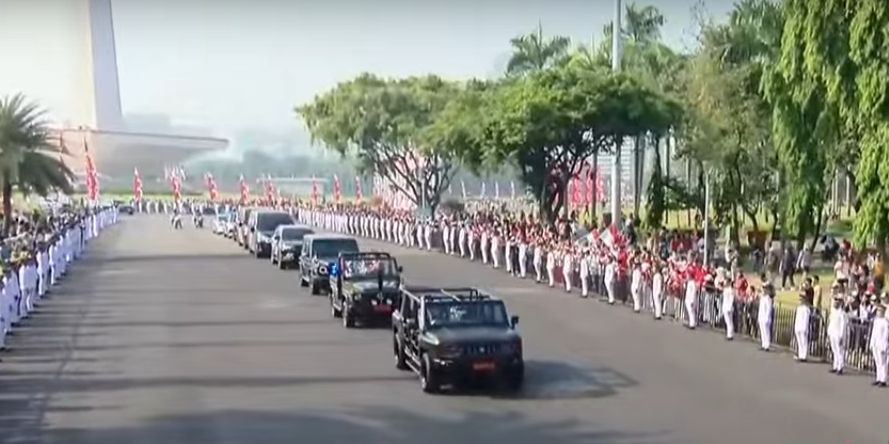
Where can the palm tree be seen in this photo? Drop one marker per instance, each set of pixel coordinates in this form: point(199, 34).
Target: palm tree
point(29, 162)
point(531, 52)
point(643, 25)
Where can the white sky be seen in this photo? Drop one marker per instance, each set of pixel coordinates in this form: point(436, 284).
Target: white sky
point(234, 64)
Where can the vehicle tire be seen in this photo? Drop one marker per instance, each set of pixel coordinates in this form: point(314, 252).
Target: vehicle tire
point(333, 311)
point(428, 376)
point(282, 265)
point(315, 290)
point(272, 259)
point(348, 321)
point(302, 280)
point(398, 350)
point(515, 379)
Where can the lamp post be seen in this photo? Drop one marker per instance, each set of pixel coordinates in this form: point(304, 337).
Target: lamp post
point(616, 174)
point(707, 218)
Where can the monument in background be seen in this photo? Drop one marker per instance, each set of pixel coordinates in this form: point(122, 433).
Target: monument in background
point(65, 56)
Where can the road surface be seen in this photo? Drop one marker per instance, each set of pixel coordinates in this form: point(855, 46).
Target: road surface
point(162, 336)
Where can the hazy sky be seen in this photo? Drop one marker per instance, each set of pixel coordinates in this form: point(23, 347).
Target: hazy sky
point(231, 64)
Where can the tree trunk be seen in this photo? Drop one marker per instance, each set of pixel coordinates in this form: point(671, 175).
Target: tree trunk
point(7, 207)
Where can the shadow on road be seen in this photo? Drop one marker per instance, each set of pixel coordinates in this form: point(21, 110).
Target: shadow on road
point(368, 425)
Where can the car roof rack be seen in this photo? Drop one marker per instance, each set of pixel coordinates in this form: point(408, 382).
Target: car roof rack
point(366, 255)
point(447, 294)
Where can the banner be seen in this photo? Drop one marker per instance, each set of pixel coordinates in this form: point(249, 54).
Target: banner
point(244, 188)
point(137, 185)
point(212, 190)
point(358, 194)
point(337, 190)
point(92, 176)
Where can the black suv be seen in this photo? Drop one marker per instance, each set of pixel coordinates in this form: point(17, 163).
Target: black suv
point(365, 287)
point(453, 335)
point(319, 253)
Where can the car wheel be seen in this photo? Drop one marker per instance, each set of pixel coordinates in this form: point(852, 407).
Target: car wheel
point(348, 322)
point(315, 289)
point(516, 378)
point(400, 361)
point(302, 279)
point(428, 376)
point(282, 265)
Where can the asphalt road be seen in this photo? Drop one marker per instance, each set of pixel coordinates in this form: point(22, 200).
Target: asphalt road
point(166, 337)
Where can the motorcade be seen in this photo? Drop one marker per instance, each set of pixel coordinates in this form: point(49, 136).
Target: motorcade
point(287, 243)
point(452, 336)
point(364, 288)
point(319, 253)
point(261, 226)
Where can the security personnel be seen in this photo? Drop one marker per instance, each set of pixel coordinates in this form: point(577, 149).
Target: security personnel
point(636, 286)
point(801, 330)
point(836, 332)
point(657, 291)
point(879, 345)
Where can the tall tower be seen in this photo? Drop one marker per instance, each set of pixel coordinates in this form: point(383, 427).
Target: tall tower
point(102, 63)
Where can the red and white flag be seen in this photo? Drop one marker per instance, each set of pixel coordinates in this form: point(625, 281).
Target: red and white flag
point(137, 185)
point(337, 190)
point(92, 176)
point(358, 195)
point(269, 189)
point(212, 189)
point(176, 184)
point(245, 190)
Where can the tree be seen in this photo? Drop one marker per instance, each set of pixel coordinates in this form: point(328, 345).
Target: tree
point(532, 52)
point(551, 122)
point(29, 162)
point(382, 123)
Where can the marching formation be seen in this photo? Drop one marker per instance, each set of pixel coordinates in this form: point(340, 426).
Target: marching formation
point(37, 255)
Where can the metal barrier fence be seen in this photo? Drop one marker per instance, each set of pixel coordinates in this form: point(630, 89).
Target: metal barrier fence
point(745, 315)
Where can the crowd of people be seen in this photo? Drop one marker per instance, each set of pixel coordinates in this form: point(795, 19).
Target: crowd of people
point(36, 253)
point(665, 274)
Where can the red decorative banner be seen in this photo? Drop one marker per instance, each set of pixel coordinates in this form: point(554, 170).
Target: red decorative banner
point(245, 190)
point(137, 185)
point(92, 176)
point(337, 190)
point(358, 194)
point(212, 189)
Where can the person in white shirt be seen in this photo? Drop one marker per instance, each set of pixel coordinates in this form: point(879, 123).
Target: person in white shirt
point(495, 249)
point(836, 332)
point(523, 258)
point(551, 266)
point(657, 291)
point(484, 246)
point(801, 330)
point(567, 268)
point(585, 273)
point(728, 309)
point(879, 345)
point(636, 287)
point(538, 262)
point(610, 275)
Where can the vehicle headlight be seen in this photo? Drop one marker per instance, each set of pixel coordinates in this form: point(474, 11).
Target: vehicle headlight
point(356, 297)
point(513, 348)
point(451, 351)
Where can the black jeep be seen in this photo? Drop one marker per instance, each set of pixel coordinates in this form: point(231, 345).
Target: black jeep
point(455, 335)
point(365, 287)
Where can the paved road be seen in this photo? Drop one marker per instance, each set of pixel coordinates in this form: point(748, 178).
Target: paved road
point(180, 337)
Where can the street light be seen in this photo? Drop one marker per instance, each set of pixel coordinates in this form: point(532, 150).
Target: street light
point(616, 166)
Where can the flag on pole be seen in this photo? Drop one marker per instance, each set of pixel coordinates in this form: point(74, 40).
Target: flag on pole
point(337, 190)
point(463, 188)
point(176, 184)
point(92, 176)
point(212, 190)
point(269, 188)
point(137, 185)
point(358, 194)
point(314, 191)
point(512, 189)
point(244, 189)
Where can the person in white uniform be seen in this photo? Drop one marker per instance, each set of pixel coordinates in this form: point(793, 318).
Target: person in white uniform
point(584, 272)
point(523, 258)
point(551, 266)
point(801, 330)
point(879, 345)
point(636, 287)
point(657, 292)
point(728, 309)
point(537, 262)
point(567, 268)
point(836, 333)
point(691, 294)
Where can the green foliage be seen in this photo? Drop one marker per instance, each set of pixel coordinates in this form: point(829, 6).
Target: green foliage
point(532, 52)
point(29, 162)
point(384, 124)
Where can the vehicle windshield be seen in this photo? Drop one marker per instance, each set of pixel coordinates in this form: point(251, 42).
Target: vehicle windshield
point(362, 268)
point(333, 247)
point(270, 221)
point(466, 314)
point(294, 234)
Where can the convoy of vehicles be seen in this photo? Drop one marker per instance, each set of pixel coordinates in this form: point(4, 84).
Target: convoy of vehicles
point(447, 336)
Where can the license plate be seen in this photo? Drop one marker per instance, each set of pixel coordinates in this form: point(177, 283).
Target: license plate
point(382, 308)
point(484, 366)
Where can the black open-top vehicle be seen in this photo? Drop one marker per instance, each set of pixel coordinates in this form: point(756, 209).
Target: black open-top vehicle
point(365, 287)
